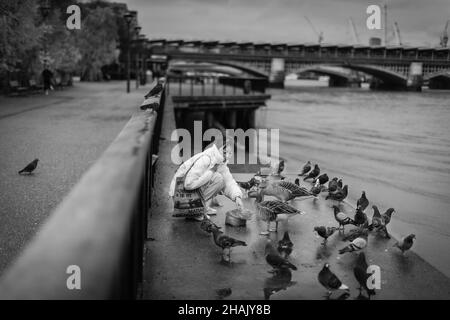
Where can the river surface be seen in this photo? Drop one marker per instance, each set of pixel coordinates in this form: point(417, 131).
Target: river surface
point(393, 145)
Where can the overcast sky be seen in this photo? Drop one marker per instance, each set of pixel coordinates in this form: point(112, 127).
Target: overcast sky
point(421, 21)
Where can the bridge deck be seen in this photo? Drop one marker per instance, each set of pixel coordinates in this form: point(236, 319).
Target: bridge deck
point(182, 261)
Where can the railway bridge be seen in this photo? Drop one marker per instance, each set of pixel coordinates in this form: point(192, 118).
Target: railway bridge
point(393, 67)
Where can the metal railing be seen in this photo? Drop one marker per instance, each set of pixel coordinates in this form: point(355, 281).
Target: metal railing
point(99, 228)
point(214, 86)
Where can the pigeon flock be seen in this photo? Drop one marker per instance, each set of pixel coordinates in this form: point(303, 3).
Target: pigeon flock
point(277, 256)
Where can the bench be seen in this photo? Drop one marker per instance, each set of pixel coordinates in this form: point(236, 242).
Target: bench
point(34, 86)
point(16, 89)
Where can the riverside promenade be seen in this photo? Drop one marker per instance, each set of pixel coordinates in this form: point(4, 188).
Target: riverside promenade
point(182, 261)
point(67, 130)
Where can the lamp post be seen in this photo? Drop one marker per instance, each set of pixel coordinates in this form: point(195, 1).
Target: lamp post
point(128, 19)
point(137, 30)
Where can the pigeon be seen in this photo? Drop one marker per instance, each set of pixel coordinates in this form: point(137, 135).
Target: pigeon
point(306, 168)
point(333, 185)
point(323, 178)
point(283, 190)
point(208, 226)
point(360, 217)
point(340, 184)
point(249, 184)
point(316, 189)
point(339, 195)
point(330, 281)
point(357, 244)
point(356, 233)
point(362, 202)
point(406, 243)
point(285, 245)
point(386, 217)
point(155, 90)
point(274, 259)
point(324, 232)
point(342, 218)
point(30, 167)
point(280, 167)
point(360, 272)
point(226, 242)
point(313, 174)
point(378, 221)
point(269, 211)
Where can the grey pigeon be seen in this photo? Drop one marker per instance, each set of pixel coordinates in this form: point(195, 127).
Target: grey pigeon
point(333, 185)
point(339, 195)
point(274, 259)
point(285, 245)
point(325, 232)
point(406, 243)
point(306, 168)
point(313, 174)
point(362, 202)
point(360, 272)
point(342, 218)
point(360, 217)
point(330, 281)
point(155, 90)
point(357, 244)
point(30, 167)
point(226, 242)
point(323, 178)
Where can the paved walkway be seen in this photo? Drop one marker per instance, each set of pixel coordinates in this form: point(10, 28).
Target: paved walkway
point(67, 130)
point(183, 262)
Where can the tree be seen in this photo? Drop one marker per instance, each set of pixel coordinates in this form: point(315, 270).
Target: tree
point(97, 42)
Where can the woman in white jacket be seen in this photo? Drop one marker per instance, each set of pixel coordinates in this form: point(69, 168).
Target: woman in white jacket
point(208, 171)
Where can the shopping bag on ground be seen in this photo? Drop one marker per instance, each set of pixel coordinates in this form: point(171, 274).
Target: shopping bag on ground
point(187, 203)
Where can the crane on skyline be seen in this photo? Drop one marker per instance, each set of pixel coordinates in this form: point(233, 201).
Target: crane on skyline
point(319, 34)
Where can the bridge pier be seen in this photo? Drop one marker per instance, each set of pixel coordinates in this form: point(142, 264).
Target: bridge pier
point(277, 73)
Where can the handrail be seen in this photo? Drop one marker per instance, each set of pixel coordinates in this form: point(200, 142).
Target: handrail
point(99, 227)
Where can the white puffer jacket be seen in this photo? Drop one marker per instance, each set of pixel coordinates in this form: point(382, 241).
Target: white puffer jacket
point(201, 172)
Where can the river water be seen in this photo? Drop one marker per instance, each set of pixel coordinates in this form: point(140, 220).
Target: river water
point(393, 145)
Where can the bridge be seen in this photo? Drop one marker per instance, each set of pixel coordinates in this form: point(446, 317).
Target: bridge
point(395, 67)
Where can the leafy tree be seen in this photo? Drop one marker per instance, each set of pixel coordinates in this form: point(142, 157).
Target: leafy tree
point(97, 42)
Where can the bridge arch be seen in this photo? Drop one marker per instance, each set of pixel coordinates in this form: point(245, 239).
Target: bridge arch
point(336, 78)
point(250, 70)
point(438, 80)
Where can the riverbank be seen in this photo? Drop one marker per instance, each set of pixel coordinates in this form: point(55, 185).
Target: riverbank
point(182, 262)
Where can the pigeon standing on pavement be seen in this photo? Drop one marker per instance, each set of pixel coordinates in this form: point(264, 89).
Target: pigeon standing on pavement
point(342, 218)
point(360, 272)
point(285, 245)
point(362, 202)
point(379, 221)
point(323, 178)
point(316, 189)
point(406, 243)
point(333, 185)
point(30, 167)
point(225, 242)
point(340, 184)
point(339, 195)
point(360, 217)
point(274, 259)
point(330, 281)
point(313, 174)
point(325, 232)
point(357, 244)
point(306, 168)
